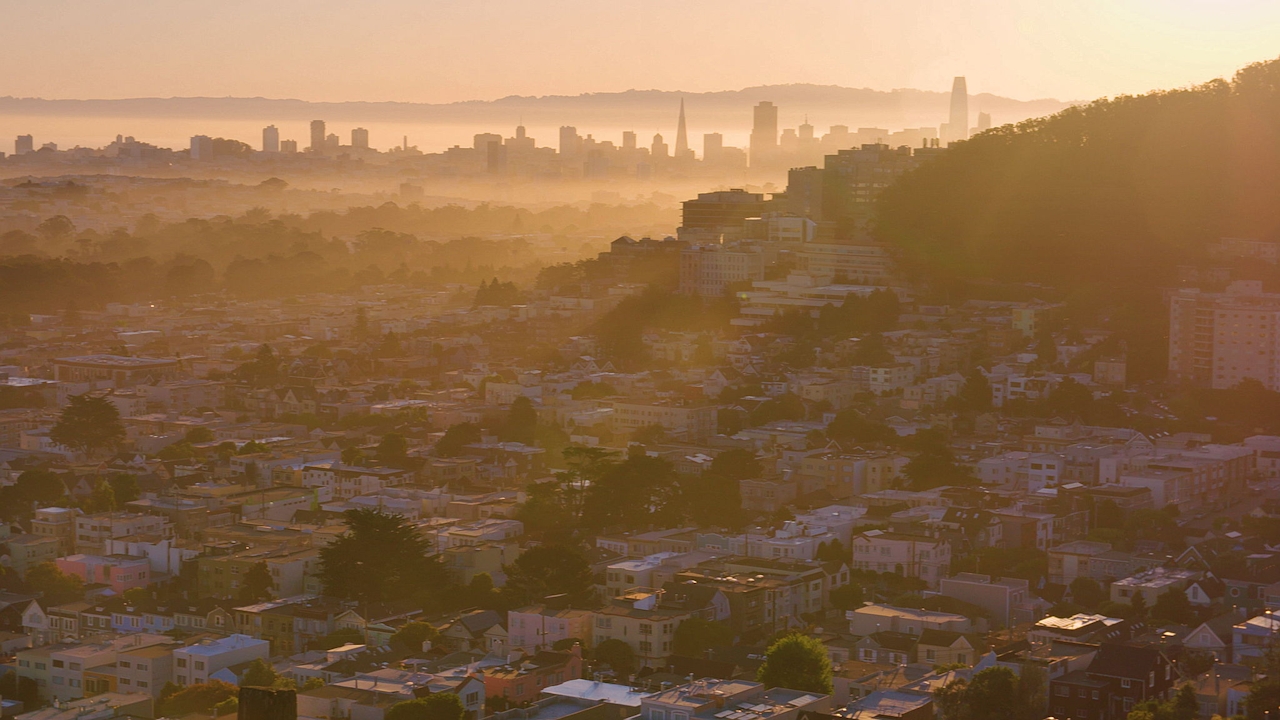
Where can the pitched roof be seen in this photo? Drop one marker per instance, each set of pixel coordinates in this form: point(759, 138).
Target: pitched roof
point(1124, 661)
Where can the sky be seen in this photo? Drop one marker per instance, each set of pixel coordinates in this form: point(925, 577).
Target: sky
point(452, 50)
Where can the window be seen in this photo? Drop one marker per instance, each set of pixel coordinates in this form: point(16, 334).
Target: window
point(1062, 691)
point(41, 666)
point(142, 683)
point(124, 663)
point(1124, 683)
point(199, 665)
point(182, 662)
point(59, 663)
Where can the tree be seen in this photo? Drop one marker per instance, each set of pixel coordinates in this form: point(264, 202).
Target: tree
point(199, 434)
point(55, 587)
point(312, 683)
point(1138, 605)
point(102, 499)
point(832, 552)
point(651, 434)
point(617, 655)
point(1087, 592)
point(58, 227)
point(521, 423)
point(551, 570)
point(995, 694)
point(230, 706)
point(436, 706)
point(257, 586)
point(636, 492)
point(125, 488)
point(695, 636)
point(736, 464)
point(197, 698)
point(393, 450)
point(259, 674)
point(380, 557)
point(88, 423)
point(456, 438)
point(337, 638)
point(412, 635)
point(1173, 606)
point(797, 662)
point(22, 689)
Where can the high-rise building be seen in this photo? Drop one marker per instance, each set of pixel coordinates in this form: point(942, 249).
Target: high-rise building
point(317, 136)
point(712, 144)
point(984, 121)
point(570, 141)
point(1216, 340)
point(958, 123)
point(714, 216)
point(482, 141)
point(682, 137)
point(201, 147)
point(332, 143)
point(360, 138)
point(764, 134)
point(270, 139)
point(288, 146)
point(24, 144)
point(628, 140)
point(659, 149)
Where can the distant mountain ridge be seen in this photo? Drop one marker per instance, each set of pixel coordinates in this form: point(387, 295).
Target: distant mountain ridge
point(642, 109)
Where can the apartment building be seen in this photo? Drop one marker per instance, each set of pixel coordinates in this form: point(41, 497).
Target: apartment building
point(542, 626)
point(1216, 340)
point(195, 664)
point(916, 556)
point(689, 420)
point(59, 523)
point(641, 621)
point(222, 575)
point(707, 270)
point(119, 572)
point(93, 531)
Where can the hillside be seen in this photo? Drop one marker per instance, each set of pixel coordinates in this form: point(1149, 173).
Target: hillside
point(1113, 195)
point(641, 109)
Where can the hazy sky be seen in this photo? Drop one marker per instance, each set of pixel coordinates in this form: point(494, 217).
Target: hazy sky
point(447, 50)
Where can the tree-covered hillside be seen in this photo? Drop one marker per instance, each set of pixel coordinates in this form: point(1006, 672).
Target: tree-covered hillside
point(1114, 194)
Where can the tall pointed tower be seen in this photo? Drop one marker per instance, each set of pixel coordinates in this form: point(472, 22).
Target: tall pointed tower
point(682, 135)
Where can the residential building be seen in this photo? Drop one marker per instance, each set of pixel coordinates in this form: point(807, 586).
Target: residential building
point(916, 556)
point(195, 664)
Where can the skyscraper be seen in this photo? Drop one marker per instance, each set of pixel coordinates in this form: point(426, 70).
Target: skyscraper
point(317, 136)
point(958, 124)
point(659, 148)
point(764, 134)
point(682, 136)
point(270, 139)
point(360, 138)
point(570, 141)
point(628, 140)
point(712, 144)
point(984, 121)
point(24, 144)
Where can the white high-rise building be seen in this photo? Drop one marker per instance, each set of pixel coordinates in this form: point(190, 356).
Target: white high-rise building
point(958, 122)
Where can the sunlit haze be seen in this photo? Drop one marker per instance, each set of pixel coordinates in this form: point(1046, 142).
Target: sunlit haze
point(437, 51)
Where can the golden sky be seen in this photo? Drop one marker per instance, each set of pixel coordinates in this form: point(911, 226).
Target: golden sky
point(450, 50)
